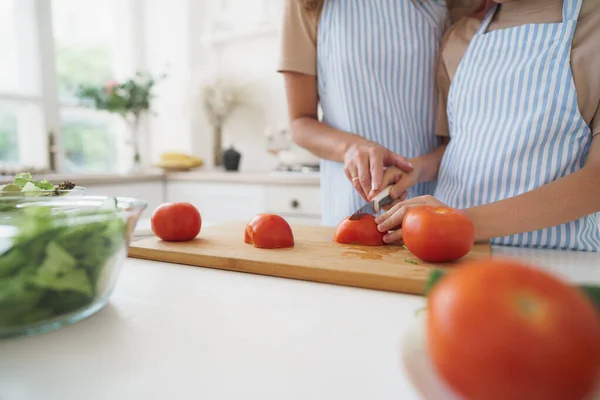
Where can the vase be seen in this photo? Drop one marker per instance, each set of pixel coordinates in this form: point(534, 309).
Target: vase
point(217, 145)
point(134, 140)
point(231, 159)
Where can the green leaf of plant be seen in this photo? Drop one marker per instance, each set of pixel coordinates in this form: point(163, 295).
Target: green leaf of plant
point(434, 277)
point(593, 292)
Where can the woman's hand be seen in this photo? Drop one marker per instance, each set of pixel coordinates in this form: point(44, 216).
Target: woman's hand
point(364, 163)
point(391, 220)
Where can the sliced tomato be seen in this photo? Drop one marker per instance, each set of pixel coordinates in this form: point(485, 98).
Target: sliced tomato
point(362, 231)
point(498, 329)
point(437, 234)
point(269, 231)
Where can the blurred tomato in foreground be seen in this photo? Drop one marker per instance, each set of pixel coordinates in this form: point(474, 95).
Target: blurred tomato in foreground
point(500, 330)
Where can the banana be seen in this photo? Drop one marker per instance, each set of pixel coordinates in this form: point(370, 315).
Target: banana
point(179, 160)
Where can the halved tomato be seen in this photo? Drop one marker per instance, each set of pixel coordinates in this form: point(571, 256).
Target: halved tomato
point(361, 231)
point(269, 231)
point(499, 329)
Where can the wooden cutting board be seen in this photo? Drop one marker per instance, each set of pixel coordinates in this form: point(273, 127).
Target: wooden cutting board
point(315, 257)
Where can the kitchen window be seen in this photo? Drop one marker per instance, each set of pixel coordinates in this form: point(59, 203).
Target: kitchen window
point(49, 47)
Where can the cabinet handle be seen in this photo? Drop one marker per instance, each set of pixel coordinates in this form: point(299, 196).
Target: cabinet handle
point(295, 204)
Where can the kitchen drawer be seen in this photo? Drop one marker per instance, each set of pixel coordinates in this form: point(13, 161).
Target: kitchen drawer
point(293, 200)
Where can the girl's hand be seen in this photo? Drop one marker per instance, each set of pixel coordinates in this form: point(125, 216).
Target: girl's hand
point(391, 220)
point(364, 163)
point(401, 181)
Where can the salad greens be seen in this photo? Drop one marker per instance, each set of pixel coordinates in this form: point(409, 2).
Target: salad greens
point(56, 261)
point(24, 182)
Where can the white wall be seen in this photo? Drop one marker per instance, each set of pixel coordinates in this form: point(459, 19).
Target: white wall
point(174, 29)
point(253, 61)
point(168, 49)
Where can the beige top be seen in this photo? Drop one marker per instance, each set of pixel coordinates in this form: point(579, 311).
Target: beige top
point(299, 34)
point(585, 52)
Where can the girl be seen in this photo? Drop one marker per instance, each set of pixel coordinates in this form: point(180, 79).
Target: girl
point(522, 117)
point(371, 66)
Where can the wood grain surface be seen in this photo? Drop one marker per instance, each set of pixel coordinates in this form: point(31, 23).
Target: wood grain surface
point(315, 257)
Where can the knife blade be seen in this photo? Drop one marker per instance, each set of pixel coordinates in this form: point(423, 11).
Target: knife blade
point(374, 206)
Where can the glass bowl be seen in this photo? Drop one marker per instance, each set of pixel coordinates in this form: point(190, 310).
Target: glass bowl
point(60, 257)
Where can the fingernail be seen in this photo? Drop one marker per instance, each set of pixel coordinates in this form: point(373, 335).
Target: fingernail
point(377, 220)
point(386, 238)
point(381, 228)
point(410, 164)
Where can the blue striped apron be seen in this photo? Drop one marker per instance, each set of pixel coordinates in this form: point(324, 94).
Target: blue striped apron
point(515, 124)
point(376, 71)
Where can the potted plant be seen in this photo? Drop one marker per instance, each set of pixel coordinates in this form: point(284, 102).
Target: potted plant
point(131, 99)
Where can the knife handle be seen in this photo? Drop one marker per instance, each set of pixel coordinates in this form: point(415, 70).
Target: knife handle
point(377, 199)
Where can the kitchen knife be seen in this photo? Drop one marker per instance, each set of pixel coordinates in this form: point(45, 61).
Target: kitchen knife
point(374, 206)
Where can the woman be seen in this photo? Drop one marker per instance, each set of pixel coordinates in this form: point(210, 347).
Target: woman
point(371, 66)
point(523, 119)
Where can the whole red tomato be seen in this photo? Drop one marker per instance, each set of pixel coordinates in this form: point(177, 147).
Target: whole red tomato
point(176, 222)
point(499, 330)
point(269, 231)
point(437, 234)
point(361, 231)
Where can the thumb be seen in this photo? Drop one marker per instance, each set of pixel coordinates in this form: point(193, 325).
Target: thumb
point(398, 161)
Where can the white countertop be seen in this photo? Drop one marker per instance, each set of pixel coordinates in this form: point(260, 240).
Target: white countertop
point(177, 332)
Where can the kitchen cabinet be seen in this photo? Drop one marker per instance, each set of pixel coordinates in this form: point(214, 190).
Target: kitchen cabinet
point(219, 202)
point(234, 201)
point(152, 191)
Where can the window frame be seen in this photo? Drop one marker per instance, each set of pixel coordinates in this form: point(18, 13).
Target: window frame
point(41, 44)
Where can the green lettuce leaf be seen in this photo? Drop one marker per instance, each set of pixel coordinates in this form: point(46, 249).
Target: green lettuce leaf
point(30, 187)
point(22, 179)
point(75, 280)
point(44, 185)
point(17, 298)
point(26, 183)
point(58, 272)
